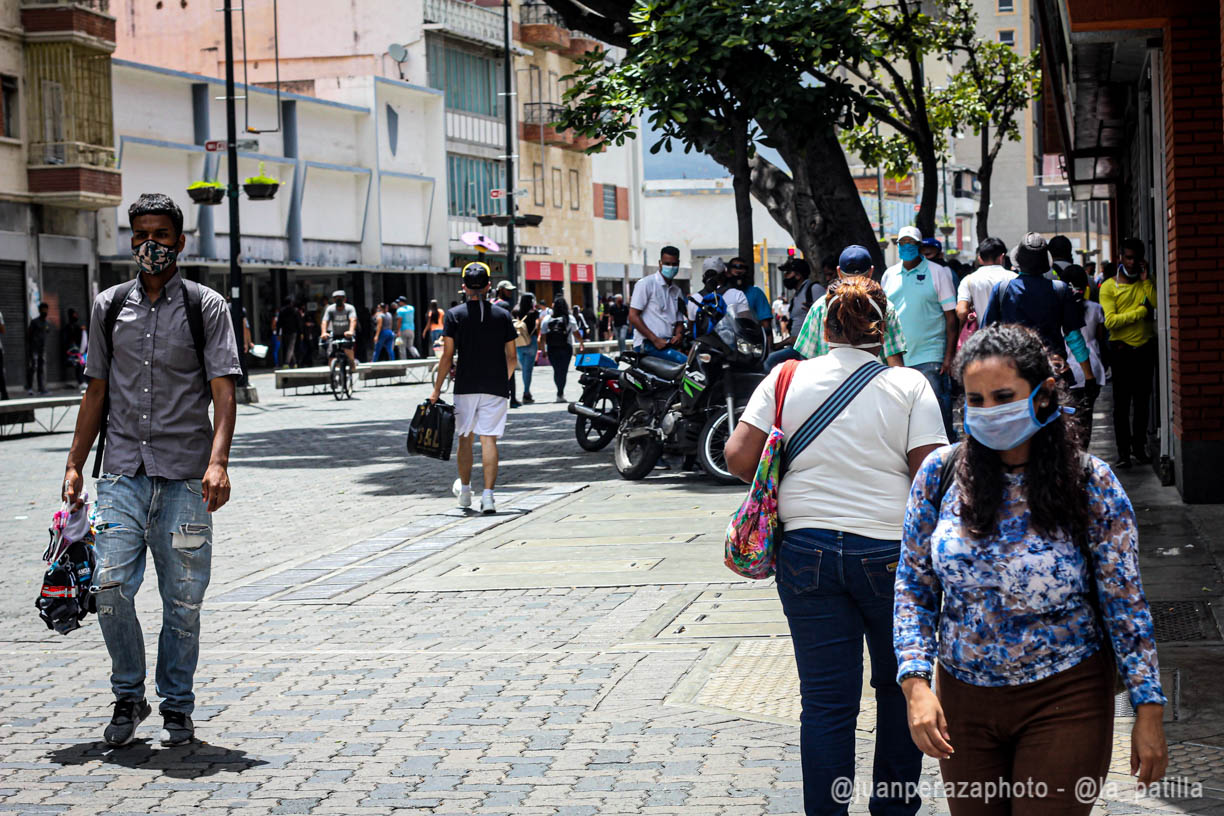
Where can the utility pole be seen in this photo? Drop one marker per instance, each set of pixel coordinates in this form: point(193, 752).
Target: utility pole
point(880, 191)
point(235, 234)
point(508, 98)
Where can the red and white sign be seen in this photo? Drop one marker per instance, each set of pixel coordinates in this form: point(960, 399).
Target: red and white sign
point(544, 270)
point(496, 193)
point(582, 273)
point(214, 146)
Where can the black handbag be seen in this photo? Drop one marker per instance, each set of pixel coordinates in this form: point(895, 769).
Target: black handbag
point(432, 431)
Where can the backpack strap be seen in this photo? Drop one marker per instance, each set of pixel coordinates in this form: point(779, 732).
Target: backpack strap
point(113, 309)
point(195, 320)
point(831, 408)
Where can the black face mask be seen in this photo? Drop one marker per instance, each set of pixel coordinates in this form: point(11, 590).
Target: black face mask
point(791, 282)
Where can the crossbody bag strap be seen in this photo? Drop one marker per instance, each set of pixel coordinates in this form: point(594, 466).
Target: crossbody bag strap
point(785, 375)
point(830, 409)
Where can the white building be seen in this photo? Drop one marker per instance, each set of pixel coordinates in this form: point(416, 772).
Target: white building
point(361, 203)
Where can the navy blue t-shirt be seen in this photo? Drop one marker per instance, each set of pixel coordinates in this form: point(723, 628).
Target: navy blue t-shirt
point(1043, 305)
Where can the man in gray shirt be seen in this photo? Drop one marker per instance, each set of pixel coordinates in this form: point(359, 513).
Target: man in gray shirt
point(165, 468)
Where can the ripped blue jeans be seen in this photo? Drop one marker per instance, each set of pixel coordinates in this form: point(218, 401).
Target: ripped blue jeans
point(170, 519)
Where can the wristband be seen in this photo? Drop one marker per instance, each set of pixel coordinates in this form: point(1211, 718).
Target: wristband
point(925, 675)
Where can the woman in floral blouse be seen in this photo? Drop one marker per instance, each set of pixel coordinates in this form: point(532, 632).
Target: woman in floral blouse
point(1023, 699)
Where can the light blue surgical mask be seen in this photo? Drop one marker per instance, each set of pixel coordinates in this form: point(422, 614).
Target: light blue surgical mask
point(669, 272)
point(1003, 427)
point(908, 252)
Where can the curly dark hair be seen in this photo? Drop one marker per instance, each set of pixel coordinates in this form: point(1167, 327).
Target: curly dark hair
point(1054, 481)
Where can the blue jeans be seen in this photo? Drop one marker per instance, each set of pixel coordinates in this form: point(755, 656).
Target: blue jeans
point(667, 354)
point(385, 346)
point(169, 518)
point(526, 361)
point(941, 384)
point(622, 337)
point(781, 356)
point(835, 588)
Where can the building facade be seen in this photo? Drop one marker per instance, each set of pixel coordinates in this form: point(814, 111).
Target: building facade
point(1137, 115)
point(57, 168)
point(360, 201)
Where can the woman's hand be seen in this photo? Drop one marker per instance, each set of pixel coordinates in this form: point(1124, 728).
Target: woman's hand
point(1149, 749)
point(928, 728)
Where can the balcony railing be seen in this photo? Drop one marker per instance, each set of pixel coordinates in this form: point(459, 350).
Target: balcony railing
point(541, 113)
point(71, 153)
point(540, 14)
point(102, 6)
point(467, 20)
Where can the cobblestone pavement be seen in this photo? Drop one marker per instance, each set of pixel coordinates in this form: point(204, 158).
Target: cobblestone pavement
point(369, 650)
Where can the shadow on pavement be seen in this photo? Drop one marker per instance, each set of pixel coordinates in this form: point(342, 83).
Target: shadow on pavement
point(184, 762)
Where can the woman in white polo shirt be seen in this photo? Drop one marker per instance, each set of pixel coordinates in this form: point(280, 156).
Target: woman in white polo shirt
point(842, 503)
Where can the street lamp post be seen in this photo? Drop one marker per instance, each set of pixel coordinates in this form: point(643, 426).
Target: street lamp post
point(235, 233)
point(508, 98)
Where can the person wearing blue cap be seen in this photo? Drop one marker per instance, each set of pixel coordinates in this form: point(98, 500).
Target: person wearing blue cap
point(924, 294)
point(811, 341)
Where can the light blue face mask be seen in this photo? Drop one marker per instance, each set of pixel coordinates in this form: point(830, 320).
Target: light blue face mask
point(908, 252)
point(669, 272)
point(1003, 427)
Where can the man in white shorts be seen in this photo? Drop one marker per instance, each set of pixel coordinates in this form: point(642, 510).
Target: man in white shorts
point(483, 335)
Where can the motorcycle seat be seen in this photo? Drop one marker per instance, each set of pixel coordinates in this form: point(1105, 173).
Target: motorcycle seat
point(661, 368)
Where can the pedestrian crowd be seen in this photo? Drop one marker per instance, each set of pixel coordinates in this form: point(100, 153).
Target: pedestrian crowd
point(995, 581)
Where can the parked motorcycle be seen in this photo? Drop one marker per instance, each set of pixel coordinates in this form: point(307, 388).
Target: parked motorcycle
point(598, 409)
point(689, 408)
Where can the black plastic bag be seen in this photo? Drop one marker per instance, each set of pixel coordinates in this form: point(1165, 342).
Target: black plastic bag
point(432, 432)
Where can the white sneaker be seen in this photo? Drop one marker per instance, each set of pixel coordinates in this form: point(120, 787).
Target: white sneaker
point(463, 494)
point(486, 503)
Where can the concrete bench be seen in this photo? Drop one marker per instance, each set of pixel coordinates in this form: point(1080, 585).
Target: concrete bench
point(20, 412)
point(414, 370)
point(301, 377)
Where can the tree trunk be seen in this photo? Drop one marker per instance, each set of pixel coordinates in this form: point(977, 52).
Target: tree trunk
point(985, 171)
point(929, 202)
point(741, 181)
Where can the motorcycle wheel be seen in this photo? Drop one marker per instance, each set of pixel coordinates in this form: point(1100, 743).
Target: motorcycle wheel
point(635, 456)
point(589, 437)
point(711, 445)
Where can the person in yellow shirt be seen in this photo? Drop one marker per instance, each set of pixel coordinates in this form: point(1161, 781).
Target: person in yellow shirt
point(1129, 301)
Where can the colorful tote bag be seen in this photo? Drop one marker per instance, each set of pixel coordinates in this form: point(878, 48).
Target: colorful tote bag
point(752, 534)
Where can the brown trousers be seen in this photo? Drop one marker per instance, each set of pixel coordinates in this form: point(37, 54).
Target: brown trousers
point(1032, 749)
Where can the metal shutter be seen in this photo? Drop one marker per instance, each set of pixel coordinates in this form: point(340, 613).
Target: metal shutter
point(13, 306)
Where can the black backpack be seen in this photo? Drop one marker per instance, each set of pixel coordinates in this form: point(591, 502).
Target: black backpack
point(195, 321)
point(558, 331)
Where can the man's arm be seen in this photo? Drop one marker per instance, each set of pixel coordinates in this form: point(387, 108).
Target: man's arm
point(216, 483)
point(895, 360)
point(635, 320)
point(511, 359)
point(952, 331)
point(89, 420)
point(1115, 319)
point(444, 366)
point(962, 312)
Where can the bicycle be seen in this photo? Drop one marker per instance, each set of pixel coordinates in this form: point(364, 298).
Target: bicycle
point(341, 370)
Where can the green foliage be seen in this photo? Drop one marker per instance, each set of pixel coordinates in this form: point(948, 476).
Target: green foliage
point(197, 185)
point(261, 178)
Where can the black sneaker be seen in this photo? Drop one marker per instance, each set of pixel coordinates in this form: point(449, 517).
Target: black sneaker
point(528, 399)
point(128, 714)
point(177, 729)
point(1122, 462)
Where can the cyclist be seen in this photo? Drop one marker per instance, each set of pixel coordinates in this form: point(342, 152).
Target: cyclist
point(340, 320)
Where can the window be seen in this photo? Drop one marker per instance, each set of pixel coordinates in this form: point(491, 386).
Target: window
point(609, 202)
point(53, 122)
point(537, 184)
point(1007, 36)
point(1007, 6)
point(470, 182)
point(472, 82)
point(557, 192)
point(575, 180)
point(8, 107)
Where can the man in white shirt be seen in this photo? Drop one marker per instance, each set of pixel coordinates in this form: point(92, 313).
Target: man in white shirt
point(654, 309)
point(973, 294)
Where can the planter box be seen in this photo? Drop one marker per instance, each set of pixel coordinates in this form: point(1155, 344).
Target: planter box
point(207, 196)
point(260, 192)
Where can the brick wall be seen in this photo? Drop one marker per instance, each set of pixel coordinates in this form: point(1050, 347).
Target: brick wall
point(1193, 92)
point(74, 179)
